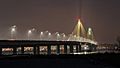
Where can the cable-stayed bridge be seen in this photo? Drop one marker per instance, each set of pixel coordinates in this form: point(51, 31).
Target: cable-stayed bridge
point(50, 43)
point(79, 34)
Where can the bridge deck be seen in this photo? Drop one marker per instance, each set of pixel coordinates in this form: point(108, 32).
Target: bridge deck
point(7, 43)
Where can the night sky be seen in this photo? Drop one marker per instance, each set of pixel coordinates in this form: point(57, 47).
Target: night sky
point(61, 15)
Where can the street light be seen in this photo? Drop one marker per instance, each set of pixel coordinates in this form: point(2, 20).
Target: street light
point(13, 31)
point(46, 35)
point(29, 33)
point(58, 35)
point(33, 29)
point(55, 37)
point(63, 36)
point(49, 36)
point(47, 31)
point(41, 35)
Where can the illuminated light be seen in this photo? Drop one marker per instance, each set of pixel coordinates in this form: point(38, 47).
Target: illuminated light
point(78, 29)
point(74, 48)
point(41, 33)
point(49, 34)
point(13, 30)
point(85, 48)
point(58, 34)
point(89, 31)
point(64, 35)
point(75, 36)
point(79, 22)
point(47, 31)
point(14, 26)
point(7, 49)
point(29, 31)
point(33, 29)
point(85, 52)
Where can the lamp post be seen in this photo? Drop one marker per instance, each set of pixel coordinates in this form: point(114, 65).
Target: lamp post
point(41, 35)
point(29, 33)
point(46, 35)
point(13, 31)
point(49, 36)
point(63, 36)
point(58, 35)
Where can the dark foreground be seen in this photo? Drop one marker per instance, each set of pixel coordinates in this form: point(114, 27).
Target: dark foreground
point(62, 61)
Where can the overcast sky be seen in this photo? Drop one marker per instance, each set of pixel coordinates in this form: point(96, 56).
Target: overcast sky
point(60, 15)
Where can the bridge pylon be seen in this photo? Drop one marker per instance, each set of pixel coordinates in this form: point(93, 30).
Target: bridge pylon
point(79, 30)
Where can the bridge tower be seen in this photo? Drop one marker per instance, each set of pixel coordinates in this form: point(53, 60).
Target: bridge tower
point(80, 34)
point(79, 30)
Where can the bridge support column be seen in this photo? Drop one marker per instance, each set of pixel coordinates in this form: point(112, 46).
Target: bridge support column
point(95, 47)
point(90, 47)
point(77, 48)
point(38, 50)
point(71, 48)
point(14, 50)
point(22, 50)
point(49, 49)
point(58, 49)
point(34, 50)
point(65, 49)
